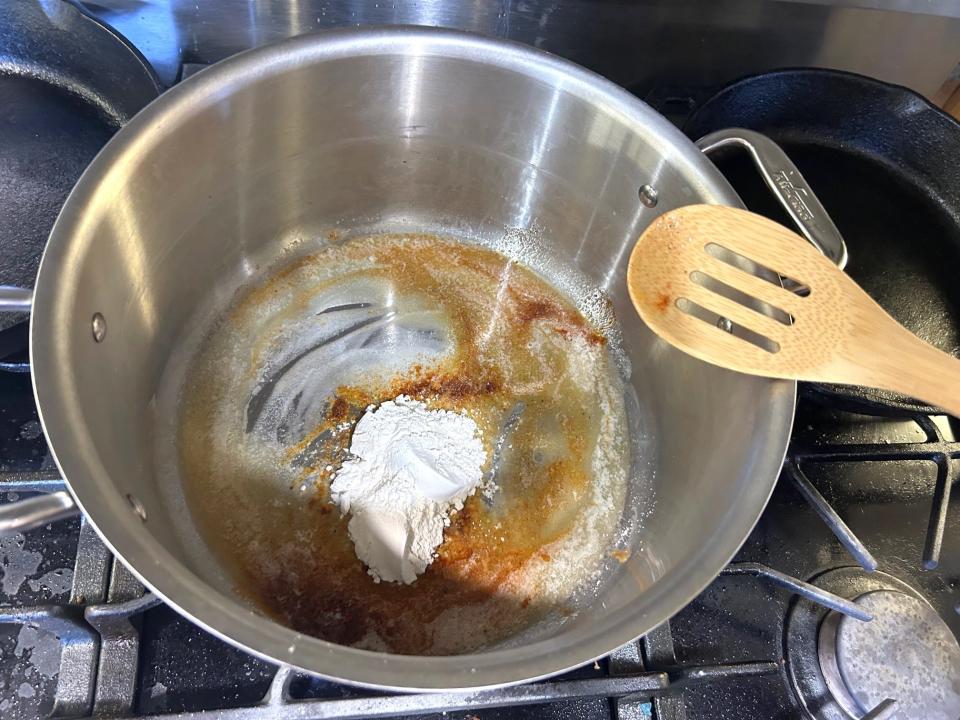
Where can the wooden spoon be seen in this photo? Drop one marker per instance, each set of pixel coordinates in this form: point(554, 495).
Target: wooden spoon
point(705, 279)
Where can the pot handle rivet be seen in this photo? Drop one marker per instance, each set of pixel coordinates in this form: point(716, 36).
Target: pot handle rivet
point(99, 325)
point(137, 507)
point(649, 195)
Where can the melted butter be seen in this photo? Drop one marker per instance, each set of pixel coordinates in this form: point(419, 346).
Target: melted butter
point(487, 337)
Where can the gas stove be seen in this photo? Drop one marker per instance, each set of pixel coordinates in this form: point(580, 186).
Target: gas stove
point(779, 633)
point(860, 527)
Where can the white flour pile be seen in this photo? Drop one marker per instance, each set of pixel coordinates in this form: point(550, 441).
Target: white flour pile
point(411, 467)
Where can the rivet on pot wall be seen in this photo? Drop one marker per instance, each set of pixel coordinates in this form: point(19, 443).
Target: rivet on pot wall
point(99, 325)
point(649, 195)
point(137, 507)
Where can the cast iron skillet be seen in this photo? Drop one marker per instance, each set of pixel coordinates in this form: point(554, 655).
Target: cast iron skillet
point(67, 84)
point(884, 163)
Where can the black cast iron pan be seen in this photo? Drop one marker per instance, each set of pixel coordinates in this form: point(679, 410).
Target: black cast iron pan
point(67, 83)
point(883, 160)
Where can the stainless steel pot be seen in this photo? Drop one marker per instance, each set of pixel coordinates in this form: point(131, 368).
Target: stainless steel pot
point(383, 130)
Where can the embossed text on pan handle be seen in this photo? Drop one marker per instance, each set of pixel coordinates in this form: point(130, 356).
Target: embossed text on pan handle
point(785, 181)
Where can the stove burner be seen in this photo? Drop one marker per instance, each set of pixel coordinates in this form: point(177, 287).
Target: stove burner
point(906, 653)
point(896, 656)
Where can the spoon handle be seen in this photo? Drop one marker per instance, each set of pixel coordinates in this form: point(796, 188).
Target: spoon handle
point(906, 364)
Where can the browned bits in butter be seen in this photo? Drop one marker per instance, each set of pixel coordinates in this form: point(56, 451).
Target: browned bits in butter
point(515, 341)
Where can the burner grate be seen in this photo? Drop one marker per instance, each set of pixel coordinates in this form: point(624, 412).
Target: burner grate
point(99, 628)
point(937, 448)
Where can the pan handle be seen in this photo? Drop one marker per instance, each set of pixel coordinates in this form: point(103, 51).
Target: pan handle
point(785, 181)
point(15, 299)
point(23, 515)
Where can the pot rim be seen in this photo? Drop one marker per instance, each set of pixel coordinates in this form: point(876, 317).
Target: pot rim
point(122, 531)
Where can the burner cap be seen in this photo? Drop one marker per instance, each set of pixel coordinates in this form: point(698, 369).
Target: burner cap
point(907, 653)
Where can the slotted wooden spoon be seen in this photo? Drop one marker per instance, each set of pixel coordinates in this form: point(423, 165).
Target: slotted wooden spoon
point(705, 279)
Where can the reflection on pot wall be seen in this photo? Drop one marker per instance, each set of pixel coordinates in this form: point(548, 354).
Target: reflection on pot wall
point(638, 43)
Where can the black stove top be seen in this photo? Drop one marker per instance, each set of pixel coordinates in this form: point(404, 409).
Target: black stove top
point(81, 637)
